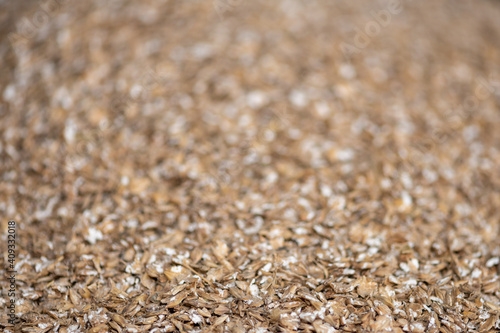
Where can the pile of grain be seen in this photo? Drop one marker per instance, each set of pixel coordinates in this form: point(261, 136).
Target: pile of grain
point(251, 166)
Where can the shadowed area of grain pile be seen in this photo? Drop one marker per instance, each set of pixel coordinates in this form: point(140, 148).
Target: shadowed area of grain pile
point(251, 166)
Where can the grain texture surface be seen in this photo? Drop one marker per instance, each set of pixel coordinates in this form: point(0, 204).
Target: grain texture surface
point(251, 166)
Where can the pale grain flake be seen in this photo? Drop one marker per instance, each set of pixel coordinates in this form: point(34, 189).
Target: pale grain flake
point(147, 281)
point(220, 320)
point(383, 323)
point(204, 312)
point(115, 326)
point(323, 327)
point(174, 300)
point(366, 287)
point(74, 297)
point(118, 319)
